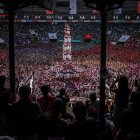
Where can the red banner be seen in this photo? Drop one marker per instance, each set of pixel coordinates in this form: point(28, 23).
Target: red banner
point(49, 12)
point(88, 36)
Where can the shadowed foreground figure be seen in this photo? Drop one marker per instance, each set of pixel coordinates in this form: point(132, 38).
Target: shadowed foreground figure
point(63, 95)
point(82, 128)
point(135, 104)
point(93, 106)
point(122, 93)
point(24, 115)
point(51, 126)
point(5, 114)
point(47, 99)
point(2, 84)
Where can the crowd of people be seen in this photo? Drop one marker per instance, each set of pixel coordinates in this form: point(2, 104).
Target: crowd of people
point(28, 33)
point(45, 64)
point(39, 64)
point(47, 117)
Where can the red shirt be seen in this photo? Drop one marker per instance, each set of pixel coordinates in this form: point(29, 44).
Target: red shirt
point(46, 105)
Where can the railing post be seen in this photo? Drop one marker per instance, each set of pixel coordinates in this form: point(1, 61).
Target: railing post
point(12, 53)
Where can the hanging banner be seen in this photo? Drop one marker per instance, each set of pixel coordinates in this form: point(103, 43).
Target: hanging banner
point(52, 35)
point(1, 41)
point(73, 6)
point(49, 12)
point(32, 32)
point(124, 38)
point(88, 36)
point(118, 11)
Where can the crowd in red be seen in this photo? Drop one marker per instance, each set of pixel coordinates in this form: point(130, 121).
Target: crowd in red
point(36, 65)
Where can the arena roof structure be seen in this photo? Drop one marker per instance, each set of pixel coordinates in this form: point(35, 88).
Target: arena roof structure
point(63, 7)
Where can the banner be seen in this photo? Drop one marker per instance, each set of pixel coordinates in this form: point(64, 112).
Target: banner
point(88, 36)
point(73, 6)
point(52, 35)
point(118, 11)
point(95, 12)
point(32, 32)
point(124, 38)
point(1, 41)
point(109, 32)
point(49, 12)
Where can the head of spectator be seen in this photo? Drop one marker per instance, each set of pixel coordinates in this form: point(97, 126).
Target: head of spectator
point(122, 82)
point(79, 110)
point(92, 97)
point(62, 91)
point(24, 92)
point(45, 89)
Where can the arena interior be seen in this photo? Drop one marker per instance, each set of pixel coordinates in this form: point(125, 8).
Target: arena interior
point(62, 48)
